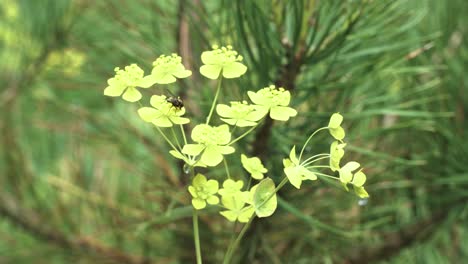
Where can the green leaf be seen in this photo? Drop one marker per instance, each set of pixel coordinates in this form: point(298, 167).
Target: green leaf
point(264, 198)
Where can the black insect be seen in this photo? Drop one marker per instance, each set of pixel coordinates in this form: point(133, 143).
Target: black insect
point(175, 101)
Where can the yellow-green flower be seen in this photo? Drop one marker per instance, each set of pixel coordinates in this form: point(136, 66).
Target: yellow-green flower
point(273, 100)
point(334, 126)
point(125, 82)
point(162, 114)
point(361, 192)
point(346, 172)
point(203, 191)
point(166, 69)
point(223, 60)
point(254, 166)
point(239, 114)
point(336, 153)
point(357, 179)
point(236, 209)
point(231, 188)
point(295, 171)
point(212, 143)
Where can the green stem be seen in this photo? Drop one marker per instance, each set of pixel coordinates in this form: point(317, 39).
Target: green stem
point(314, 160)
point(318, 166)
point(232, 248)
point(215, 99)
point(227, 168)
point(196, 236)
point(175, 137)
point(243, 135)
point(326, 175)
point(167, 139)
point(315, 156)
point(183, 133)
point(307, 141)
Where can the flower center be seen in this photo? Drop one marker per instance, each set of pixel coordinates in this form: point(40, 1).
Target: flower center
point(226, 54)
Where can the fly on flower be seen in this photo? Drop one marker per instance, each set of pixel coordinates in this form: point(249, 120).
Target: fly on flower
point(175, 101)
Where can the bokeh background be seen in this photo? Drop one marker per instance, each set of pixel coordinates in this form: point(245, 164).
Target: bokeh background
point(84, 180)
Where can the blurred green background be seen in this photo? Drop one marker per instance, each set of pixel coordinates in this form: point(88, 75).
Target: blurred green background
point(84, 180)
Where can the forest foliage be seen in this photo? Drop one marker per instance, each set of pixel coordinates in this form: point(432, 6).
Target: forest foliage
point(84, 180)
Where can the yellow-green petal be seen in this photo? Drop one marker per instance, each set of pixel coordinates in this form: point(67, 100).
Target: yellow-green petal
point(234, 70)
point(293, 176)
point(246, 214)
point(179, 120)
point(131, 95)
point(211, 156)
point(162, 121)
point(198, 203)
point(359, 179)
point(146, 82)
point(114, 90)
point(193, 149)
point(223, 110)
point(282, 113)
point(180, 72)
point(335, 120)
point(163, 77)
point(292, 156)
point(148, 113)
point(212, 200)
point(230, 215)
point(211, 71)
point(361, 192)
point(338, 133)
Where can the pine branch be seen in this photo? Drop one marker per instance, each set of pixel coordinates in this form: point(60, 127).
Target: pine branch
point(33, 225)
point(407, 236)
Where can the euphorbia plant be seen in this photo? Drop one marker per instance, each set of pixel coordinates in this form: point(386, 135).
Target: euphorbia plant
point(236, 198)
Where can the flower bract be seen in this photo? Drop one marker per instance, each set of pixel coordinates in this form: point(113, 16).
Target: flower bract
point(273, 100)
point(125, 82)
point(334, 126)
point(211, 145)
point(203, 191)
point(239, 114)
point(254, 166)
point(264, 198)
point(162, 113)
point(296, 172)
point(224, 60)
point(166, 69)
